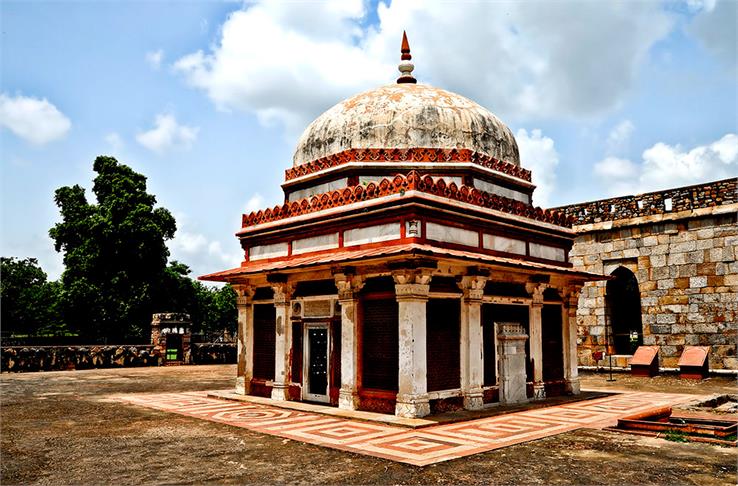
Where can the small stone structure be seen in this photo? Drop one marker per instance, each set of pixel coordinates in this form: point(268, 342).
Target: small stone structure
point(171, 332)
point(672, 254)
point(511, 347)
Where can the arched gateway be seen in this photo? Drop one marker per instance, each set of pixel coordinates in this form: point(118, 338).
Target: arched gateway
point(407, 268)
point(623, 299)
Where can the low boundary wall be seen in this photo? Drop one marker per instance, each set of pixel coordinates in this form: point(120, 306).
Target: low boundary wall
point(56, 358)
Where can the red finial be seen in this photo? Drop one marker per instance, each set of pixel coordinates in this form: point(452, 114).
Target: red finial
point(405, 49)
point(406, 67)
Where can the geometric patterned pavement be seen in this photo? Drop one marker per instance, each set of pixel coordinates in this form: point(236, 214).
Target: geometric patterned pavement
point(419, 447)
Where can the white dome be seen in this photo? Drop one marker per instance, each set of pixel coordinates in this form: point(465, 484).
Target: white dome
point(407, 116)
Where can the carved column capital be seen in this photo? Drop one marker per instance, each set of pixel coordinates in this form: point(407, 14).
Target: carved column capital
point(473, 287)
point(348, 285)
point(244, 294)
point(282, 293)
point(536, 291)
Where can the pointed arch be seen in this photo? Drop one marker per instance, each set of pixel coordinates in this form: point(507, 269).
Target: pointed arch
point(623, 301)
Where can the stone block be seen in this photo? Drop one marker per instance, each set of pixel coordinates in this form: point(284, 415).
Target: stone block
point(676, 259)
point(689, 270)
point(668, 350)
point(698, 282)
point(631, 253)
point(705, 233)
point(661, 328)
point(666, 283)
point(682, 247)
point(669, 361)
point(682, 283)
point(705, 244)
point(705, 328)
point(731, 280)
point(666, 319)
point(696, 256)
point(650, 241)
point(674, 340)
point(691, 340)
point(660, 250)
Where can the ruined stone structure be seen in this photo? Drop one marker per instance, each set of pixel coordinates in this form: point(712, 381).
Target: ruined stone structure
point(672, 256)
point(407, 269)
point(171, 333)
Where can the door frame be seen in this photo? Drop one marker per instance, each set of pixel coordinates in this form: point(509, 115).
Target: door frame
point(313, 397)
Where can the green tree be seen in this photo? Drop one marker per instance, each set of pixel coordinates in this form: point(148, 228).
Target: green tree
point(28, 302)
point(115, 254)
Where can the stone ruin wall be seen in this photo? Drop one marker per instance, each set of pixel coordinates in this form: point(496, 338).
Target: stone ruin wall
point(684, 257)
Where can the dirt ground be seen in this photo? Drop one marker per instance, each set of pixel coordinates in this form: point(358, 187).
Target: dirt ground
point(59, 428)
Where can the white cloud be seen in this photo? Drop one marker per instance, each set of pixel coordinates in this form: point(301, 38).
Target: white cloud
point(154, 58)
point(167, 134)
point(255, 203)
point(287, 62)
point(665, 166)
point(715, 27)
point(114, 140)
point(619, 136)
point(35, 120)
point(201, 254)
point(538, 153)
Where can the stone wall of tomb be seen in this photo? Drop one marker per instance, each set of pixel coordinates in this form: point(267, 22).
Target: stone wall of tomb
point(683, 254)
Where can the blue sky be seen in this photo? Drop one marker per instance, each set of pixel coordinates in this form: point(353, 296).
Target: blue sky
point(207, 99)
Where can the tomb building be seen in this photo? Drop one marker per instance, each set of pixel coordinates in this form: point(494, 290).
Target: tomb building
point(407, 270)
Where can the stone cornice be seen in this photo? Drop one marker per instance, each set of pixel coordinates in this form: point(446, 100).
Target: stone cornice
point(408, 155)
point(399, 185)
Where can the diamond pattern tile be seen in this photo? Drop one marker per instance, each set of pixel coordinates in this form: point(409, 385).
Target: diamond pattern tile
point(419, 447)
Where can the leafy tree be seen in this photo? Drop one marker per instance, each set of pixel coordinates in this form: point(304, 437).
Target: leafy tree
point(29, 302)
point(115, 254)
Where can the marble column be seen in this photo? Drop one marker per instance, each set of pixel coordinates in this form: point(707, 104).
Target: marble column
point(472, 349)
point(283, 342)
point(535, 324)
point(411, 289)
point(570, 296)
point(245, 367)
point(348, 296)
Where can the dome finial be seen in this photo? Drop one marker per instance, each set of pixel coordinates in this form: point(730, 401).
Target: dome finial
point(406, 66)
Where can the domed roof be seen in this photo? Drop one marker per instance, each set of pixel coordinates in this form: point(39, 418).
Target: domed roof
point(404, 116)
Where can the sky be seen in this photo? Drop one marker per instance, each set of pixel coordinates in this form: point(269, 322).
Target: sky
point(208, 99)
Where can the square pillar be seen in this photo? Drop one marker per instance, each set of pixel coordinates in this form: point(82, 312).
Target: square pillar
point(536, 338)
point(569, 334)
point(283, 343)
point(472, 349)
point(411, 290)
point(245, 343)
point(348, 296)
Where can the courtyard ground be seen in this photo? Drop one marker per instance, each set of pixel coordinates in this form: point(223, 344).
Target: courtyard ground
point(62, 428)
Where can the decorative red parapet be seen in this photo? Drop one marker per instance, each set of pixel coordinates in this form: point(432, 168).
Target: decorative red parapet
point(410, 182)
point(408, 155)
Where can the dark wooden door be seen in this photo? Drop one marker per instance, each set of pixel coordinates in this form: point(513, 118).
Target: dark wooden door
point(443, 334)
point(380, 343)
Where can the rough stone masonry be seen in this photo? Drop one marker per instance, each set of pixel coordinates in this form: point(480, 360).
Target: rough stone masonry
point(680, 244)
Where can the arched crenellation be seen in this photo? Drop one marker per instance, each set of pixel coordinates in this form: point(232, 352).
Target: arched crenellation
point(623, 308)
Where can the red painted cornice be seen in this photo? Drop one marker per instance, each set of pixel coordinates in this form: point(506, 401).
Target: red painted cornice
point(399, 184)
point(408, 155)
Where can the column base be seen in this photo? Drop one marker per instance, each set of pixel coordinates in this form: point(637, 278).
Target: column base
point(348, 400)
point(573, 386)
point(474, 400)
point(243, 385)
point(539, 391)
point(280, 392)
point(412, 406)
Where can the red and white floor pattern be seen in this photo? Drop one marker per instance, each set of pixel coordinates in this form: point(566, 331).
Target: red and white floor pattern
point(420, 446)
